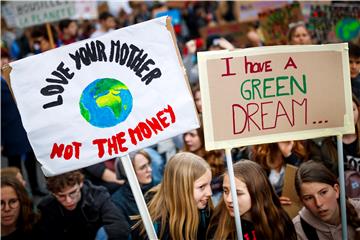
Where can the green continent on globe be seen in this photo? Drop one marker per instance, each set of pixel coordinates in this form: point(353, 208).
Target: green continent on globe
point(85, 112)
point(112, 98)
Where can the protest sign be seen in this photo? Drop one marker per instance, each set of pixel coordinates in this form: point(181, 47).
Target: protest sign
point(334, 23)
point(104, 97)
point(274, 23)
point(234, 32)
point(269, 94)
point(29, 13)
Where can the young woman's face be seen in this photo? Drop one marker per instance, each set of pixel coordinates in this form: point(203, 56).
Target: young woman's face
point(202, 190)
point(197, 98)
point(10, 206)
point(243, 196)
point(192, 141)
point(322, 201)
point(143, 169)
point(301, 36)
point(356, 113)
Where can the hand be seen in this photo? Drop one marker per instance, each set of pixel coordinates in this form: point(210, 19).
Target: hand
point(191, 46)
point(225, 44)
point(285, 200)
point(286, 147)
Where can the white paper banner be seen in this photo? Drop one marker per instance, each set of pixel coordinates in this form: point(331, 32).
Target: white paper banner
point(104, 97)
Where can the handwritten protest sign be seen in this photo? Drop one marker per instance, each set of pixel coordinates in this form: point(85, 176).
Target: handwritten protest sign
point(269, 94)
point(104, 97)
point(29, 13)
point(274, 23)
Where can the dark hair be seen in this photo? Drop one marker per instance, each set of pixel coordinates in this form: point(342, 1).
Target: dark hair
point(312, 171)
point(41, 31)
point(354, 50)
point(292, 29)
point(105, 15)
point(27, 217)
point(64, 24)
point(58, 183)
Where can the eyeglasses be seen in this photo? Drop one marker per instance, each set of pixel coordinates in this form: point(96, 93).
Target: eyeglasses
point(73, 194)
point(12, 203)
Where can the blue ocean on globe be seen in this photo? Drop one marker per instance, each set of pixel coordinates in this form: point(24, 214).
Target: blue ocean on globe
point(105, 102)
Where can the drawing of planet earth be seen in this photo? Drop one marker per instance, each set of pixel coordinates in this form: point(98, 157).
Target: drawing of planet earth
point(106, 102)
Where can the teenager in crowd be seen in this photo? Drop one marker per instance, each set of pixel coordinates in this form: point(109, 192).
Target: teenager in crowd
point(262, 216)
point(274, 156)
point(123, 197)
point(298, 34)
point(320, 218)
point(17, 215)
point(76, 209)
point(181, 211)
point(195, 143)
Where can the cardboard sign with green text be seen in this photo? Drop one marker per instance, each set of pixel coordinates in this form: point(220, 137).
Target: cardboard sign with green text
point(269, 94)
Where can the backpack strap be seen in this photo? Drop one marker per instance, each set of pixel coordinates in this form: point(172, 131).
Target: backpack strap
point(309, 230)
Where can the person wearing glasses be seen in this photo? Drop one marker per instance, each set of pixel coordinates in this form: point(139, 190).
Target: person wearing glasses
point(123, 197)
point(17, 215)
point(77, 209)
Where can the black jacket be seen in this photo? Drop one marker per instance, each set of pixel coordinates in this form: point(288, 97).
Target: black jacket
point(94, 210)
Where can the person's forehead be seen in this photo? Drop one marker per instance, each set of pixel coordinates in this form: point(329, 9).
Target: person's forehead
point(68, 189)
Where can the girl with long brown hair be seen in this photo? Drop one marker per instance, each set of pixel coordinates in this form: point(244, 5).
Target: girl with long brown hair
point(262, 216)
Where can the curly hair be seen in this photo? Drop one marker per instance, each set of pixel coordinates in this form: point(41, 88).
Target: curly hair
point(58, 183)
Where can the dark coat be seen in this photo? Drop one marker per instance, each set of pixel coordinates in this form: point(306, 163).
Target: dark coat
point(13, 135)
point(125, 201)
point(94, 210)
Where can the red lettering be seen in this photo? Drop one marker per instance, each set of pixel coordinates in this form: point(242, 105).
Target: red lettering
point(257, 66)
point(57, 150)
point(120, 141)
point(154, 124)
point(249, 116)
point(132, 133)
point(304, 101)
point(68, 152)
point(227, 67)
point(282, 114)
point(77, 146)
point(290, 63)
point(112, 145)
point(263, 113)
point(100, 144)
point(145, 130)
point(162, 119)
point(235, 119)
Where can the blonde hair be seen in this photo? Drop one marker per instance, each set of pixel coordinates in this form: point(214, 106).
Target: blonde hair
point(176, 206)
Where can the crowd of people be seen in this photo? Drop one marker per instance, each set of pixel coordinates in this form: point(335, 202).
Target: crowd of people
point(186, 188)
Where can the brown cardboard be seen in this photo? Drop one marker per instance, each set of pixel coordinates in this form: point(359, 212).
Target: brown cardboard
point(290, 192)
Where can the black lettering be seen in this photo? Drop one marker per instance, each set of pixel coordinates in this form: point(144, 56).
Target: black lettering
point(124, 53)
point(134, 49)
point(101, 50)
point(51, 90)
point(84, 56)
point(58, 102)
point(144, 67)
point(91, 52)
point(112, 50)
point(65, 71)
point(76, 58)
point(155, 73)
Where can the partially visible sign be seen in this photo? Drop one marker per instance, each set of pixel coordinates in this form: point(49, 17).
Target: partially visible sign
point(274, 24)
point(32, 13)
point(279, 93)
